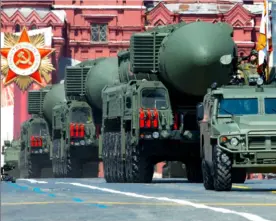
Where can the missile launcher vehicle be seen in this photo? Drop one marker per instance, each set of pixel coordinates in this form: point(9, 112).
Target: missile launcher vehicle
point(238, 133)
point(147, 97)
point(71, 130)
point(11, 150)
point(35, 139)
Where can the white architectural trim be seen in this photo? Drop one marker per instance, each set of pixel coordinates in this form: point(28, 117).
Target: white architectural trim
point(99, 7)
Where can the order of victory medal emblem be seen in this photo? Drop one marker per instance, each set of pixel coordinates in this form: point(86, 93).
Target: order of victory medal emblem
point(24, 59)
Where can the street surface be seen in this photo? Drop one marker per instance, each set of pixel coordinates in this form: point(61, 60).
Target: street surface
point(163, 200)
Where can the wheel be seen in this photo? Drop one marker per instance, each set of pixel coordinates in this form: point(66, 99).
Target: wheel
point(222, 170)
point(73, 166)
point(34, 169)
point(55, 168)
point(120, 163)
point(139, 168)
point(208, 181)
point(238, 175)
point(106, 159)
point(194, 171)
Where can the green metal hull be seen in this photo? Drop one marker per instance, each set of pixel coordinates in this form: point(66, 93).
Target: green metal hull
point(103, 73)
point(189, 58)
point(54, 96)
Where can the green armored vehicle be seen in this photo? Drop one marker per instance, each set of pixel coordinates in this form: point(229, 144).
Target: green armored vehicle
point(155, 115)
point(35, 140)
point(11, 151)
point(70, 127)
point(74, 133)
point(238, 133)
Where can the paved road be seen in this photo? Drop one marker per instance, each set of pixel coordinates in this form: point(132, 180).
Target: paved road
point(163, 200)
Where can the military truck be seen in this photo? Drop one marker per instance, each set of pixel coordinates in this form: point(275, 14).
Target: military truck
point(71, 130)
point(35, 139)
point(11, 150)
point(149, 96)
point(74, 133)
point(238, 133)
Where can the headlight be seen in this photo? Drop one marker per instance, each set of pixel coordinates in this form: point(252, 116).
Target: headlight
point(260, 81)
point(234, 141)
point(82, 142)
point(155, 135)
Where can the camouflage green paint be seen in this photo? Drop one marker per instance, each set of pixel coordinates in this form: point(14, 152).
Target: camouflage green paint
point(256, 133)
point(11, 151)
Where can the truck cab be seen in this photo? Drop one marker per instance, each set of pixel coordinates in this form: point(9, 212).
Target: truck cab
point(74, 137)
point(144, 107)
point(238, 123)
point(134, 115)
point(35, 145)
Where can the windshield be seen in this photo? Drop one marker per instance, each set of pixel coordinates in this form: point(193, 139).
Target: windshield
point(39, 129)
point(154, 98)
point(270, 105)
point(80, 115)
point(238, 106)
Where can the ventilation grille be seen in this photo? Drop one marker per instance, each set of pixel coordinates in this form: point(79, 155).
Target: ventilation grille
point(75, 78)
point(144, 52)
point(35, 101)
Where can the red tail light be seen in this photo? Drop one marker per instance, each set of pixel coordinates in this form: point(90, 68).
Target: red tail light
point(32, 141)
point(142, 118)
point(36, 141)
point(148, 122)
point(155, 119)
point(82, 130)
point(71, 130)
point(77, 130)
point(175, 125)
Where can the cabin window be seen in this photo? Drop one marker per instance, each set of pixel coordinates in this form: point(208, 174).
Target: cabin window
point(238, 106)
point(154, 98)
point(39, 129)
point(80, 115)
point(99, 32)
point(270, 105)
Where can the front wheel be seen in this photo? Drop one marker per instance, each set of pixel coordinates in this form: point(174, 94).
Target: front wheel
point(222, 170)
point(139, 167)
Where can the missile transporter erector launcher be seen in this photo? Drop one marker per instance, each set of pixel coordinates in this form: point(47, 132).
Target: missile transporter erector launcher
point(74, 132)
point(11, 150)
point(35, 138)
point(238, 125)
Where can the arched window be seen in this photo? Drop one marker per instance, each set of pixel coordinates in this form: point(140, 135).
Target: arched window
point(33, 27)
point(17, 28)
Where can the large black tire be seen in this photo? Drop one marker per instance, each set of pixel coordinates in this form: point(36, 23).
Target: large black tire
point(34, 169)
point(194, 171)
point(107, 144)
point(73, 166)
point(208, 181)
point(120, 163)
point(222, 165)
point(238, 175)
point(55, 168)
point(139, 168)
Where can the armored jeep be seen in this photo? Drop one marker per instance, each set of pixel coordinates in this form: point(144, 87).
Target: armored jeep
point(238, 133)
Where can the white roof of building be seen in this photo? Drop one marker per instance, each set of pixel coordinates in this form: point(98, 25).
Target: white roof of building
point(211, 8)
point(42, 12)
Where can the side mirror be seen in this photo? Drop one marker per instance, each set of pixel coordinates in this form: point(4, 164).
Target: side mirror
point(200, 112)
point(3, 150)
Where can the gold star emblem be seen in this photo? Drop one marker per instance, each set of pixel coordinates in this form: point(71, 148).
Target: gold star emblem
point(24, 59)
